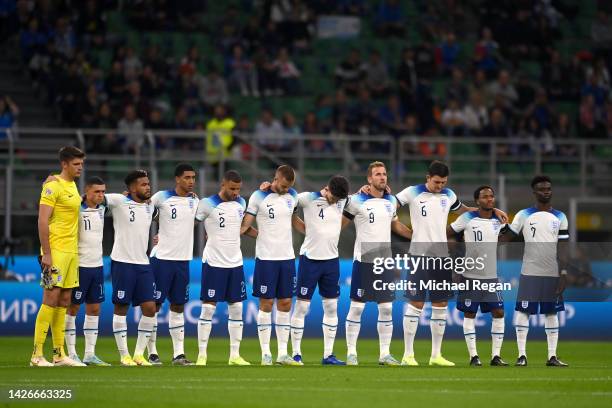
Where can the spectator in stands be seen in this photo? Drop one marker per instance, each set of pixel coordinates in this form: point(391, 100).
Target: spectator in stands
point(589, 123)
point(115, 83)
point(448, 52)
point(541, 111)
point(479, 84)
point(156, 120)
point(341, 111)
point(89, 108)
point(608, 121)
point(555, 76)
point(65, 40)
point(219, 137)
point(563, 131)
point(496, 128)
point(457, 89)
point(288, 74)
point(228, 30)
point(150, 84)
point(91, 25)
point(104, 117)
point(486, 55)
point(266, 73)
point(70, 92)
point(153, 58)
point(185, 93)
point(189, 63)
point(425, 61)
point(212, 89)
point(391, 116)
point(9, 111)
point(389, 20)
point(601, 33)
point(181, 119)
point(504, 87)
point(476, 114)
point(324, 111)
point(311, 127)
point(131, 130)
point(32, 41)
point(453, 119)
point(134, 97)
point(600, 72)
point(362, 113)
point(526, 93)
point(132, 66)
point(268, 131)
point(292, 132)
point(242, 73)
point(593, 88)
point(349, 73)
point(519, 35)
point(407, 79)
point(376, 75)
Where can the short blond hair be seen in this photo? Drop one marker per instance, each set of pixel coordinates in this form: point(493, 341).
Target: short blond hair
point(374, 165)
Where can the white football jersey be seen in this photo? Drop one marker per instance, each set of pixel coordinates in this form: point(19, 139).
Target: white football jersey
point(176, 222)
point(222, 220)
point(132, 223)
point(323, 225)
point(91, 232)
point(481, 236)
point(273, 214)
point(541, 231)
point(372, 217)
point(428, 217)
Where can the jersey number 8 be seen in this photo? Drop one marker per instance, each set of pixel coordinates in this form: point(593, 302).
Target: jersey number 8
point(173, 213)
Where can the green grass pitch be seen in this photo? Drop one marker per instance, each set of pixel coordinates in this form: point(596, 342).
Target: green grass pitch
point(587, 382)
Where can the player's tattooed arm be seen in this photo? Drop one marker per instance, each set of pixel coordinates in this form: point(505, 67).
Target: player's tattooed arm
point(400, 229)
point(298, 224)
point(247, 222)
point(251, 232)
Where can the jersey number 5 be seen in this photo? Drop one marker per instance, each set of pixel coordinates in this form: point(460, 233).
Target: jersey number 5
point(271, 212)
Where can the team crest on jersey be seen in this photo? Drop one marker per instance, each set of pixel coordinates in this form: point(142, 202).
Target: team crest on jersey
point(525, 304)
point(388, 207)
point(77, 295)
point(304, 291)
point(554, 224)
point(211, 293)
point(468, 302)
point(190, 203)
point(289, 203)
point(443, 202)
point(148, 209)
point(120, 294)
point(359, 292)
point(263, 289)
point(240, 213)
point(496, 225)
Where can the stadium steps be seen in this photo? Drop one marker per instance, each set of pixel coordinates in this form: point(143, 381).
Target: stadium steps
point(14, 83)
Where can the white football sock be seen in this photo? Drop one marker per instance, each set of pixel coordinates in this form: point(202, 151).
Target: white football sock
point(297, 325)
point(411, 324)
point(176, 326)
point(70, 334)
point(551, 326)
point(385, 328)
point(152, 345)
point(90, 330)
point(522, 328)
point(353, 325)
point(234, 327)
point(264, 331)
point(283, 328)
point(330, 325)
point(204, 328)
point(437, 323)
point(120, 332)
point(469, 331)
point(497, 336)
point(145, 327)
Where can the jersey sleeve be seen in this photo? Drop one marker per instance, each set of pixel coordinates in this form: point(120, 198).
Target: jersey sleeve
point(114, 200)
point(254, 202)
point(406, 196)
point(563, 228)
point(303, 199)
point(460, 223)
point(455, 203)
point(50, 193)
point(517, 223)
point(156, 200)
point(352, 208)
point(294, 194)
point(204, 209)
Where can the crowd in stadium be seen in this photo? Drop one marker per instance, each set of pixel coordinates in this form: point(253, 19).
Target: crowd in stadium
point(490, 95)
